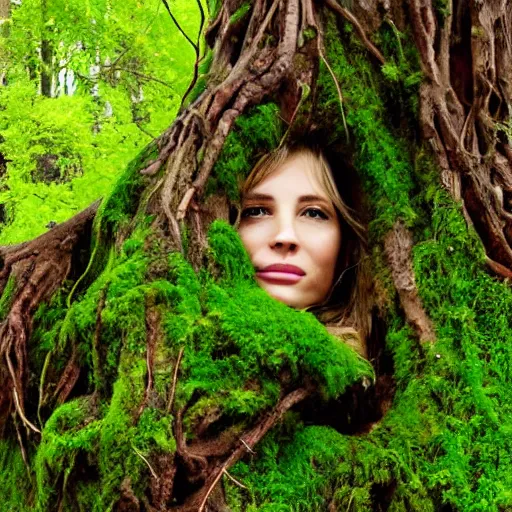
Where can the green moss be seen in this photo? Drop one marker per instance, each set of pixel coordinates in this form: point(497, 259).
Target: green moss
point(253, 135)
point(117, 458)
point(7, 297)
point(310, 456)
point(403, 70)
point(73, 429)
point(382, 159)
point(308, 34)
point(15, 484)
point(240, 13)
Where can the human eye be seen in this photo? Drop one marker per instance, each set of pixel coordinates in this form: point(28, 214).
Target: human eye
point(315, 213)
point(255, 212)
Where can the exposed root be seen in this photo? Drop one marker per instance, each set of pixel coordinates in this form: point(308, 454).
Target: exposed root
point(251, 438)
point(346, 14)
point(153, 472)
point(247, 447)
point(22, 446)
point(39, 268)
point(170, 403)
point(336, 83)
point(499, 269)
point(152, 168)
point(251, 79)
point(68, 379)
point(234, 480)
point(467, 64)
point(398, 245)
point(185, 202)
point(19, 410)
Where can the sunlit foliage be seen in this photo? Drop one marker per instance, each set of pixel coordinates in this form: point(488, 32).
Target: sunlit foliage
point(126, 66)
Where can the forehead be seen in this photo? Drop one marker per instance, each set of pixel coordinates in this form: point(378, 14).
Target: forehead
point(298, 174)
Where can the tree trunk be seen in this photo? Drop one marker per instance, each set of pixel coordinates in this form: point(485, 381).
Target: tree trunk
point(5, 8)
point(140, 374)
point(46, 54)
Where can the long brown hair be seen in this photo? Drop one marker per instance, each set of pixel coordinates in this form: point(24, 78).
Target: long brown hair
point(346, 311)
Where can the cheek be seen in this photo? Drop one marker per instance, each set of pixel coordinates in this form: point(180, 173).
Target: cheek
point(251, 239)
point(332, 249)
point(324, 249)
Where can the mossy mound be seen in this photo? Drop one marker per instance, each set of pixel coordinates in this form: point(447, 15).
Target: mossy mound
point(233, 368)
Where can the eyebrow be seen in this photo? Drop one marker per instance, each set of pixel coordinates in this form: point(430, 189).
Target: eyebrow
point(257, 197)
point(302, 199)
point(313, 198)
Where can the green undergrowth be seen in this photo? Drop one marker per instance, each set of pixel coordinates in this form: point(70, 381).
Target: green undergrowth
point(235, 367)
point(61, 153)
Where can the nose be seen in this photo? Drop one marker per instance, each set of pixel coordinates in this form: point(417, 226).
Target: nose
point(285, 236)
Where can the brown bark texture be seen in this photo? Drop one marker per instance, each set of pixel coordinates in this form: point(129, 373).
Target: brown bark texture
point(465, 53)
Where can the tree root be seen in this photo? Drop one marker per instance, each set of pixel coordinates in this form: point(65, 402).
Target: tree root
point(256, 74)
point(170, 403)
point(198, 501)
point(347, 15)
point(398, 245)
point(39, 268)
point(461, 101)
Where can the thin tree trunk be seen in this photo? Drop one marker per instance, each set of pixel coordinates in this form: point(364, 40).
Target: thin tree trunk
point(5, 8)
point(46, 54)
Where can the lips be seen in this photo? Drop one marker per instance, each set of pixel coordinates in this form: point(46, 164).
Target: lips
point(281, 273)
point(281, 267)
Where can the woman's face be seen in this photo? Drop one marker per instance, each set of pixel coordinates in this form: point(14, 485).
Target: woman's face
point(291, 231)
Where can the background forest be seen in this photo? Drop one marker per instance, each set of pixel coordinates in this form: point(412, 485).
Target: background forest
point(84, 87)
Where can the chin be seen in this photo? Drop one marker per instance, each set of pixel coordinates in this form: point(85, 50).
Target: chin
point(287, 296)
